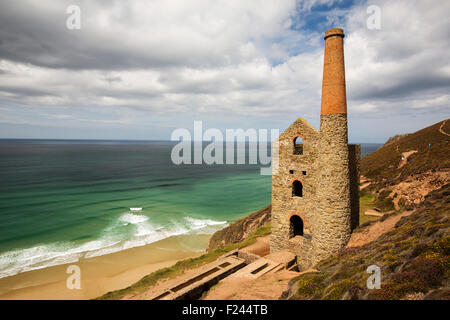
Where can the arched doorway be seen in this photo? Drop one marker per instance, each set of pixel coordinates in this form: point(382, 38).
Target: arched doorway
point(295, 226)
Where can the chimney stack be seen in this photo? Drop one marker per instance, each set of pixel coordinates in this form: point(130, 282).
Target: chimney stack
point(333, 225)
point(334, 99)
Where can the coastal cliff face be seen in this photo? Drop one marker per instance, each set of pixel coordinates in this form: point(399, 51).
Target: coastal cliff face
point(240, 230)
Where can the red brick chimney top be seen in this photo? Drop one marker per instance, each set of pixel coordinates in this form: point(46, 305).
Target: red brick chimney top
point(334, 32)
point(334, 100)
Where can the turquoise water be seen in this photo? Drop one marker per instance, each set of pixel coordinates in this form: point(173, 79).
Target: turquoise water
point(65, 200)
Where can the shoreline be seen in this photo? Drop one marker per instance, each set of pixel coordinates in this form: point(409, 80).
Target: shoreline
point(105, 273)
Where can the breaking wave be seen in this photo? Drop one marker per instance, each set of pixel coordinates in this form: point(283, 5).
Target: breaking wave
point(128, 231)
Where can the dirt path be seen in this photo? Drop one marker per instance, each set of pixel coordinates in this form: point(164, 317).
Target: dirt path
point(364, 182)
point(442, 130)
point(375, 230)
point(365, 185)
point(268, 287)
point(405, 157)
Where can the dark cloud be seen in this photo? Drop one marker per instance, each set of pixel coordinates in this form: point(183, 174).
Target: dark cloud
point(407, 87)
point(31, 92)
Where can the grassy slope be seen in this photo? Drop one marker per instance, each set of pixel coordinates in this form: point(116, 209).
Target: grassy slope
point(413, 257)
point(183, 265)
point(366, 202)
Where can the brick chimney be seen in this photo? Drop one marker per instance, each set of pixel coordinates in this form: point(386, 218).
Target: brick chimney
point(333, 86)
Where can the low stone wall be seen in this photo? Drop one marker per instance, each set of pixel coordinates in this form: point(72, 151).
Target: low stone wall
point(247, 256)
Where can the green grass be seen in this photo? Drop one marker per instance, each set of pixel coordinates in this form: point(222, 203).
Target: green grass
point(181, 266)
point(366, 202)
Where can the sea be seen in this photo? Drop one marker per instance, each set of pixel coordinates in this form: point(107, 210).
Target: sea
point(66, 200)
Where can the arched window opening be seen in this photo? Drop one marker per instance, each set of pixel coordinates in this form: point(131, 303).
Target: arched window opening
point(295, 226)
point(297, 189)
point(298, 145)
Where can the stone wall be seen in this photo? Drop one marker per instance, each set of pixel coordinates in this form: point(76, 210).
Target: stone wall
point(333, 228)
point(329, 172)
point(354, 156)
point(293, 167)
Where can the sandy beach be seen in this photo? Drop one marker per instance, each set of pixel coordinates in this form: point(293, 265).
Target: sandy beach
point(102, 274)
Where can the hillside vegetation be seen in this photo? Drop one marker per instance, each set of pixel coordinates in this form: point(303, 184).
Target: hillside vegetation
point(408, 167)
point(413, 257)
point(382, 165)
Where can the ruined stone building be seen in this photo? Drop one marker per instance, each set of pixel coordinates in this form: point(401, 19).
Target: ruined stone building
point(315, 195)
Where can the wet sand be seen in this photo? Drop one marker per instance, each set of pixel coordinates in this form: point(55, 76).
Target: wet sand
point(102, 274)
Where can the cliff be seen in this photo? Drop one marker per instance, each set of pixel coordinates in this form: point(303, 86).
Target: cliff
point(240, 229)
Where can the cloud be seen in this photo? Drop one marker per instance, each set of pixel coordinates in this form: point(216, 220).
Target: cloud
point(157, 65)
point(403, 65)
point(139, 34)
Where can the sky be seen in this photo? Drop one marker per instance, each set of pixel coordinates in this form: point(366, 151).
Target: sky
point(142, 69)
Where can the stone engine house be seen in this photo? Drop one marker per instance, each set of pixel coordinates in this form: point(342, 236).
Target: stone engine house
point(315, 192)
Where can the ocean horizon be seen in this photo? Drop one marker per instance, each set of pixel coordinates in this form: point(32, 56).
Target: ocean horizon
point(63, 200)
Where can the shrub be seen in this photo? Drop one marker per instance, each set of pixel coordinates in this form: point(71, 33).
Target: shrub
point(336, 290)
point(309, 284)
point(419, 249)
point(386, 292)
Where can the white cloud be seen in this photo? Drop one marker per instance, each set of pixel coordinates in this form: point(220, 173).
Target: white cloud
point(402, 66)
point(139, 62)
